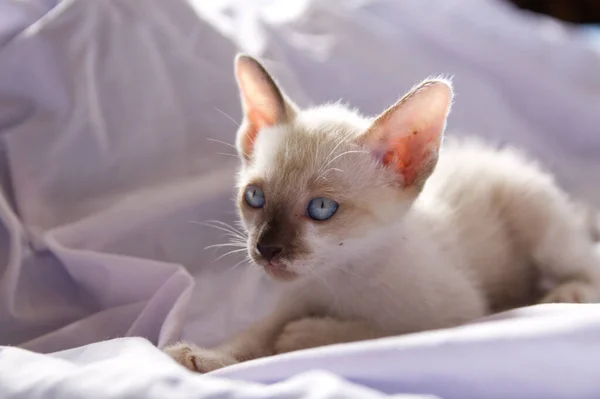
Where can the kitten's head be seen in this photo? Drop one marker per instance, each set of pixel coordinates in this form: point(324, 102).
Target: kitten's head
point(321, 187)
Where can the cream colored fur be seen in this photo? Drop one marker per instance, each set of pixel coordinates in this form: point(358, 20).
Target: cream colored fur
point(478, 235)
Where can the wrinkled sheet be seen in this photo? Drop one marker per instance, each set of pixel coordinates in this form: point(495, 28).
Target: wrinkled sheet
point(133, 368)
point(109, 112)
point(545, 352)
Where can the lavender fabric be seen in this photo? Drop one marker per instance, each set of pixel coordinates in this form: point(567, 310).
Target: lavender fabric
point(544, 352)
point(114, 123)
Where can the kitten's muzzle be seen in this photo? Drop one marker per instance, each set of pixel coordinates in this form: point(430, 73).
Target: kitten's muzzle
point(269, 252)
point(271, 261)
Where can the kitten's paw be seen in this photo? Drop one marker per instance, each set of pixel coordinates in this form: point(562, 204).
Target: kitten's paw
point(304, 334)
point(198, 359)
point(573, 292)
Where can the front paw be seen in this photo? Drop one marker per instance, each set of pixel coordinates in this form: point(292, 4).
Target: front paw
point(198, 359)
point(572, 292)
point(305, 333)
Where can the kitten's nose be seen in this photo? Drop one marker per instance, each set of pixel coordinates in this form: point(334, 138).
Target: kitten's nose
point(269, 251)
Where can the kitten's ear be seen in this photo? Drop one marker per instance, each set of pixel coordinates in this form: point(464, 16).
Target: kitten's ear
point(263, 103)
point(407, 136)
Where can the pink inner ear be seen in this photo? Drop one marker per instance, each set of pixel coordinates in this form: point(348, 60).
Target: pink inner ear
point(257, 121)
point(409, 146)
point(411, 154)
point(248, 141)
point(407, 136)
point(260, 113)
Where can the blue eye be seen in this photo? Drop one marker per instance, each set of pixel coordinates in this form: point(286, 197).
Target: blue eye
point(321, 208)
point(254, 196)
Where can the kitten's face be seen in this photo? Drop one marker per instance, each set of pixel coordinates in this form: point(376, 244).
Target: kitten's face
point(315, 158)
point(320, 188)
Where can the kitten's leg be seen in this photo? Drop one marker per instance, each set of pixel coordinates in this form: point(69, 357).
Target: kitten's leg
point(198, 359)
point(256, 341)
point(561, 245)
point(566, 254)
point(312, 332)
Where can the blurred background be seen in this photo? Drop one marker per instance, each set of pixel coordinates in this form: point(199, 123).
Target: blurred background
point(117, 119)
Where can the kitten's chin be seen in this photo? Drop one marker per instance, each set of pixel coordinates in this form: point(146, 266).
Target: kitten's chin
point(279, 272)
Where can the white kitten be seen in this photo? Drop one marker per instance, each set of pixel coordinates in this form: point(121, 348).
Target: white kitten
point(375, 236)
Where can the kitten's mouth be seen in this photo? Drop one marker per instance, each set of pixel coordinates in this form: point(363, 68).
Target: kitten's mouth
point(279, 271)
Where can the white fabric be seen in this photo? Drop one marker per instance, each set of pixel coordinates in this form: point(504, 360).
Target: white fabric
point(105, 112)
point(133, 368)
point(545, 352)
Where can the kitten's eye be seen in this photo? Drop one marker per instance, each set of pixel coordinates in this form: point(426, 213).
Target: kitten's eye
point(254, 196)
point(321, 208)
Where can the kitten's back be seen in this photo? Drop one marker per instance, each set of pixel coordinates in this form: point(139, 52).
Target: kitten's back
point(497, 203)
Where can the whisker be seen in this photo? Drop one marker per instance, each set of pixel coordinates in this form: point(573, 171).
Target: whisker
point(240, 224)
point(222, 142)
point(229, 244)
point(224, 227)
point(230, 253)
point(342, 139)
point(227, 116)
point(345, 153)
point(322, 175)
point(228, 145)
point(238, 264)
point(230, 234)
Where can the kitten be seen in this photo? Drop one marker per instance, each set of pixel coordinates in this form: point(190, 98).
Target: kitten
point(378, 233)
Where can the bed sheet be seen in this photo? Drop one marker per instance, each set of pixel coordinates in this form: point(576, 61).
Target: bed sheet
point(546, 352)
